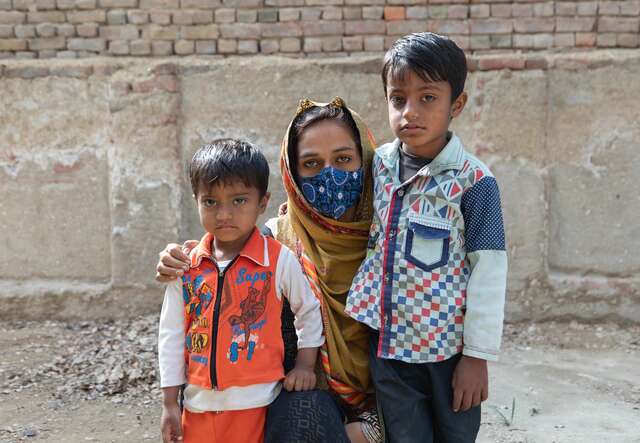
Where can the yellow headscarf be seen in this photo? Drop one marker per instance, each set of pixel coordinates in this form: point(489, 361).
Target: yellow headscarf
point(331, 252)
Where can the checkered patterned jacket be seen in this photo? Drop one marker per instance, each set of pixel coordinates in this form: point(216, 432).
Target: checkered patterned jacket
point(434, 278)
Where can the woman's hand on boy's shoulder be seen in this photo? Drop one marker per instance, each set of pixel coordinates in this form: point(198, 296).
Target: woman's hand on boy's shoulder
point(174, 261)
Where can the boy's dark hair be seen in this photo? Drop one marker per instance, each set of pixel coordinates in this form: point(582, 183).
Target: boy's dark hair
point(228, 160)
point(312, 116)
point(431, 56)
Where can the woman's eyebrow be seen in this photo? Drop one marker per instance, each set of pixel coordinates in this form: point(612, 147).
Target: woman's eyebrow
point(344, 148)
point(308, 154)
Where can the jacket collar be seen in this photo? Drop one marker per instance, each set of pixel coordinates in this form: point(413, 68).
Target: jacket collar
point(255, 249)
point(451, 157)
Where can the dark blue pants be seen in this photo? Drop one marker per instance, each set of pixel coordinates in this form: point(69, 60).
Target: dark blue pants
point(416, 401)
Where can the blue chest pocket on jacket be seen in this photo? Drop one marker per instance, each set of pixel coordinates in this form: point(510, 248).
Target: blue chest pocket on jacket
point(427, 244)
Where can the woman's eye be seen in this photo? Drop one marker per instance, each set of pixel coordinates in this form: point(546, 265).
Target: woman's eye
point(311, 164)
point(343, 159)
point(429, 98)
point(239, 201)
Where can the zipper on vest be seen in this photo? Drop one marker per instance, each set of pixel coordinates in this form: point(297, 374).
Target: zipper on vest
point(214, 324)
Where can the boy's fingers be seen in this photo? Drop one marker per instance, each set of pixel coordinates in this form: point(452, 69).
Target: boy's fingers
point(175, 257)
point(484, 395)
point(299, 384)
point(475, 401)
point(457, 399)
point(287, 383)
point(467, 399)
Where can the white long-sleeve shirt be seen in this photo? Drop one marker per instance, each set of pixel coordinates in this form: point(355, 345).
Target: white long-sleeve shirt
point(291, 283)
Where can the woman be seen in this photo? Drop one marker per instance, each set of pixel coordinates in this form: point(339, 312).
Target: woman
point(326, 169)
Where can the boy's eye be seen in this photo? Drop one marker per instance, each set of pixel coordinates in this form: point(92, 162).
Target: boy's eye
point(239, 201)
point(396, 100)
point(208, 203)
point(429, 98)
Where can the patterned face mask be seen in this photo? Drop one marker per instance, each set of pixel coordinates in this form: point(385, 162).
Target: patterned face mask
point(332, 191)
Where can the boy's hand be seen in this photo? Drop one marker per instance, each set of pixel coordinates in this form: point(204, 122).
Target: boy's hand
point(300, 379)
point(470, 383)
point(171, 423)
point(174, 260)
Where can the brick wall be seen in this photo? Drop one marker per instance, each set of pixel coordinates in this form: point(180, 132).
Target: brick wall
point(81, 28)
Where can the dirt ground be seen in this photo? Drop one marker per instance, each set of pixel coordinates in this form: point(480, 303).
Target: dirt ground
point(79, 382)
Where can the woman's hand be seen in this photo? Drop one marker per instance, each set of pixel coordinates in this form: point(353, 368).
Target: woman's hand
point(174, 260)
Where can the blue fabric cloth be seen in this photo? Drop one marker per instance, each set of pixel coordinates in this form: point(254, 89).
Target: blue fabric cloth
point(309, 416)
point(332, 191)
point(482, 214)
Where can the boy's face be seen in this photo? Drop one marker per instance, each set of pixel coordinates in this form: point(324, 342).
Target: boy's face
point(229, 211)
point(420, 112)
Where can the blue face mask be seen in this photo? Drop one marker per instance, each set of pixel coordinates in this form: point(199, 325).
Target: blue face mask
point(332, 191)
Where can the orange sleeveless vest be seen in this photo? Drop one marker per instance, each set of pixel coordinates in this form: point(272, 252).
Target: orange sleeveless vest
point(232, 318)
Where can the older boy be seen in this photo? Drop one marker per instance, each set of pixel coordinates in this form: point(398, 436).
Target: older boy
point(433, 283)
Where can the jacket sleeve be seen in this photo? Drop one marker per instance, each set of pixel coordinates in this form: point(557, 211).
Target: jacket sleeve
point(487, 259)
point(293, 284)
point(171, 337)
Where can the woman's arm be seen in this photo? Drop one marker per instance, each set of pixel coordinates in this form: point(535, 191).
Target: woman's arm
point(174, 260)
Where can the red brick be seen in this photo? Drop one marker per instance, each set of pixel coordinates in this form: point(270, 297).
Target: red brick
point(201, 32)
point(87, 30)
point(586, 39)
point(460, 27)
point(587, 8)
point(608, 40)
point(479, 42)
point(288, 45)
point(155, 32)
point(491, 26)
point(240, 31)
point(394, 13)
point(160, 48)
point(365, 27)
point(288, 29)
point(160, 17)
point(312, 44)
point(501, 10)
point(39, 44)
point(522, 41)
point(269, 46)
point(628, 40)
point(495, 63)
point(80, 17)
point(247, 47)
point(374, 44)
point(45, 17)
point(565, 40)
point(542, 41)
point(331, 44)
point(353, 43)
point(617, 24)
point(127, 32)
point(227, 46)
point(405, 27)
point(479, 11)
point(13, 44)
point(566, 8)
point(630, 7)
point(519, 10)
point(323, 28)
point(536, 62)
point(543, 9)
point(531, 25)
point(609, 8)
point(462, 41)
point(575, 24)
point(458, 12)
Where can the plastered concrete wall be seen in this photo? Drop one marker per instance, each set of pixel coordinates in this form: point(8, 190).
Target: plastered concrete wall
point(92, 183)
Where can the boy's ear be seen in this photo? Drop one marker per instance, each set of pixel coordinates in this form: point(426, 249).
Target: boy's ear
point(458, 105)
point(264, 202)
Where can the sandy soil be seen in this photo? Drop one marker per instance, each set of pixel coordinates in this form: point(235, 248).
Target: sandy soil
point(569, 383)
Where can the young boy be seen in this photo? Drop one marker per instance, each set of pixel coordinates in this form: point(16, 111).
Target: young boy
point(432, 285)
point(220, 331)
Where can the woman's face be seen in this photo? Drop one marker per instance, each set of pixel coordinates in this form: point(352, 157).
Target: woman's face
point(327, 143)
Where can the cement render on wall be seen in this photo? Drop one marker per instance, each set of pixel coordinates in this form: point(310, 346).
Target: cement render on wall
point(92, 180)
